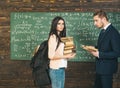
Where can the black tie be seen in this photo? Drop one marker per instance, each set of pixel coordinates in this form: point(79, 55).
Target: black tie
point(102, 32)
point(101, 35)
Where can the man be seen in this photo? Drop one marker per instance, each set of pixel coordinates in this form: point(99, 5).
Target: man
point(108, 46)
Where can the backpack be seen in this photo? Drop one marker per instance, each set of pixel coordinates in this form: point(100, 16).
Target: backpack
point(40, 65)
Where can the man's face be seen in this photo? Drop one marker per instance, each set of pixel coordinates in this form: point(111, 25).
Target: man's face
point(98, 22)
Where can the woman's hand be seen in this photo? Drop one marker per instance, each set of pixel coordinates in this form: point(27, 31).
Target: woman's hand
point(70, 55)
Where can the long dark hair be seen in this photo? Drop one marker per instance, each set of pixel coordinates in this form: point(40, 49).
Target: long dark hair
point(53, 29)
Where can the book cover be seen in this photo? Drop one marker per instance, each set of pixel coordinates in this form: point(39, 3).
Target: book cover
point(89, 48)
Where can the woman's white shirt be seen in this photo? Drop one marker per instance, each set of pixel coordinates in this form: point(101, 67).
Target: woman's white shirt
point(52, 51)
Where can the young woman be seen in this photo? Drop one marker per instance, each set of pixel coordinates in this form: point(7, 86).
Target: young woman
point(58, 61)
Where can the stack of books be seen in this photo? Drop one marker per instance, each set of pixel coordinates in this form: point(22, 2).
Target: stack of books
point(69, 45)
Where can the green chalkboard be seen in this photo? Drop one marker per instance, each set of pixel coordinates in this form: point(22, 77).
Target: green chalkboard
point(28, 29)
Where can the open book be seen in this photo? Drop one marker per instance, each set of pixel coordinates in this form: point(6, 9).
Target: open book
point(89, 48)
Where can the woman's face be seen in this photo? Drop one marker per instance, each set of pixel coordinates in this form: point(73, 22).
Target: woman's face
point(60, 25)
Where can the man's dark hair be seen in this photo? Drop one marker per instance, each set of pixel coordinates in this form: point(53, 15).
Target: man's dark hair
point(101, 14)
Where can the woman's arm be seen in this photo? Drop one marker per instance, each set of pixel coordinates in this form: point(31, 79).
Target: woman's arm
point(52, 44)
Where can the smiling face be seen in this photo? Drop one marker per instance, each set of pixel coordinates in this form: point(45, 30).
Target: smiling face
point(60, 26)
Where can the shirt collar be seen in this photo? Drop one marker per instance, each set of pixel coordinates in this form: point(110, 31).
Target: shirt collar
point(107, 26)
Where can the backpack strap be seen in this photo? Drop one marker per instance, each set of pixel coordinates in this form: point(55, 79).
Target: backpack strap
point(35, 50)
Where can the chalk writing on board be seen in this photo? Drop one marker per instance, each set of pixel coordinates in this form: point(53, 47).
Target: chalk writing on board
point(28, 29)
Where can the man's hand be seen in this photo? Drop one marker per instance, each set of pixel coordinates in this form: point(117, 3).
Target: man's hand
point(96, 53)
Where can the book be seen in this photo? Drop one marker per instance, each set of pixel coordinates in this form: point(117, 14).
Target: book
point(89, 48)
point(66, 39)
point(69, 43)
point(69, 47)
point(67, 51)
